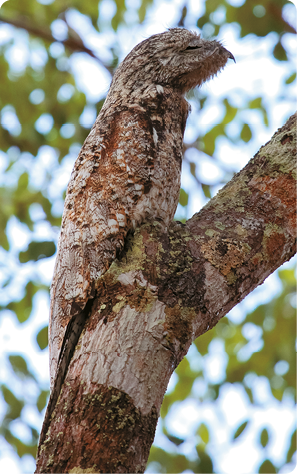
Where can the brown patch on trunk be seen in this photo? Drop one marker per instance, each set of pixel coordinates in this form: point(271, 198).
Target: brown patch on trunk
point(177, 326)
point(283, 187)
point(274, 246)
point(99, 429)
point(225, 254)
point(286, 139)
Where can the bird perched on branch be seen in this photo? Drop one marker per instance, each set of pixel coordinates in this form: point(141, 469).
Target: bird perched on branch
point(127, 173)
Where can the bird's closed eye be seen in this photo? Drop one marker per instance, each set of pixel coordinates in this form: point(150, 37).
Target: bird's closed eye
point(190, 48)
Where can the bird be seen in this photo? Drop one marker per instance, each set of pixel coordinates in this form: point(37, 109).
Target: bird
point(127, 173)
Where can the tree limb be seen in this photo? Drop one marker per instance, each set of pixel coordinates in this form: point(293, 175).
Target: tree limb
point(168, 289)
point(74, 44)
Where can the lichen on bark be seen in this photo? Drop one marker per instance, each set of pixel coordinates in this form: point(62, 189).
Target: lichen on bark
point(167, 288)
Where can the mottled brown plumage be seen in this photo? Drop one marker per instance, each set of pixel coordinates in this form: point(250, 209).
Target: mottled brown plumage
point(127, 173)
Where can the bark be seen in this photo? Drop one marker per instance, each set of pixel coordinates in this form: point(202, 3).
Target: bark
point(168, 289)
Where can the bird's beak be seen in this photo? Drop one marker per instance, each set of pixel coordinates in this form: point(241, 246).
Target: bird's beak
point(231, 55)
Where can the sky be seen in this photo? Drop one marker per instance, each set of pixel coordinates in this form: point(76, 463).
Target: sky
point(254, 69)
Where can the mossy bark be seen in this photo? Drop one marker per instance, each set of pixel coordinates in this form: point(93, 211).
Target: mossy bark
point(166, 290)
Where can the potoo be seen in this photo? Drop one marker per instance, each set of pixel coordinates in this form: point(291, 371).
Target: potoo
point(127, 173)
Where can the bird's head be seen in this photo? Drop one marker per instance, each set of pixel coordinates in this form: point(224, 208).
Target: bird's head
point(177, 58)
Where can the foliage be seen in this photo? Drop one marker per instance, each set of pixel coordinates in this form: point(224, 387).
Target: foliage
point(45, 117)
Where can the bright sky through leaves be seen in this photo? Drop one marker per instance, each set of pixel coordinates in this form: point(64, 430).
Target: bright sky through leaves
point(47, 90)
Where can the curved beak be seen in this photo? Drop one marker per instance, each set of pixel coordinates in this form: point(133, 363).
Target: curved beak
point(231, 55)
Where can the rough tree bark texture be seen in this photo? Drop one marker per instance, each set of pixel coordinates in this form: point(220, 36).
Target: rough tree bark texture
point(168, 289)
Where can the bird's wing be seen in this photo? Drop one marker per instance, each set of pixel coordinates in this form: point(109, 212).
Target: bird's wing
point(111, 176)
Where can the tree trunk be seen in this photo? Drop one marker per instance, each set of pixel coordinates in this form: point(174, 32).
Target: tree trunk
point(168, 289)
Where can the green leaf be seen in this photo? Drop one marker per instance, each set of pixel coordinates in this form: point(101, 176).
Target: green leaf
point(258, 104)
point(292, 448)
point(205, 462)
point(210, 138)
point(288, 277)
point(264, 437)
point(255, 103)
point(203, 342)
point(35, 435)
point(42, 338)
point(15, 405)
point(279, 52)
point(277, 393)
point(119, 15)
point(23, 307)
point(246, 133)
point(251, 22)
point(20, 447)
point(206, 190)
point(19, 366)
point(240, 429)
point(230, 113)
point(143, 9)
point(267, 467)
point(168, 462)
point(203, 433)
point(186, 378)
point(42, 400)
point(265, 116)
point(23, 182)
point(249, 393)
point(183, 198)
point(38, 250)
point(175, 440)
point(193, 169)
point(291, 78)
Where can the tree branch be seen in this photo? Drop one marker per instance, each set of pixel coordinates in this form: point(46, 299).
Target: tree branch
point(166, 290)
point(74, 44)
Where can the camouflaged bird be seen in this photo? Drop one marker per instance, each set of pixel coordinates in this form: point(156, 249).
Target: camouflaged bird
point(127, 173)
